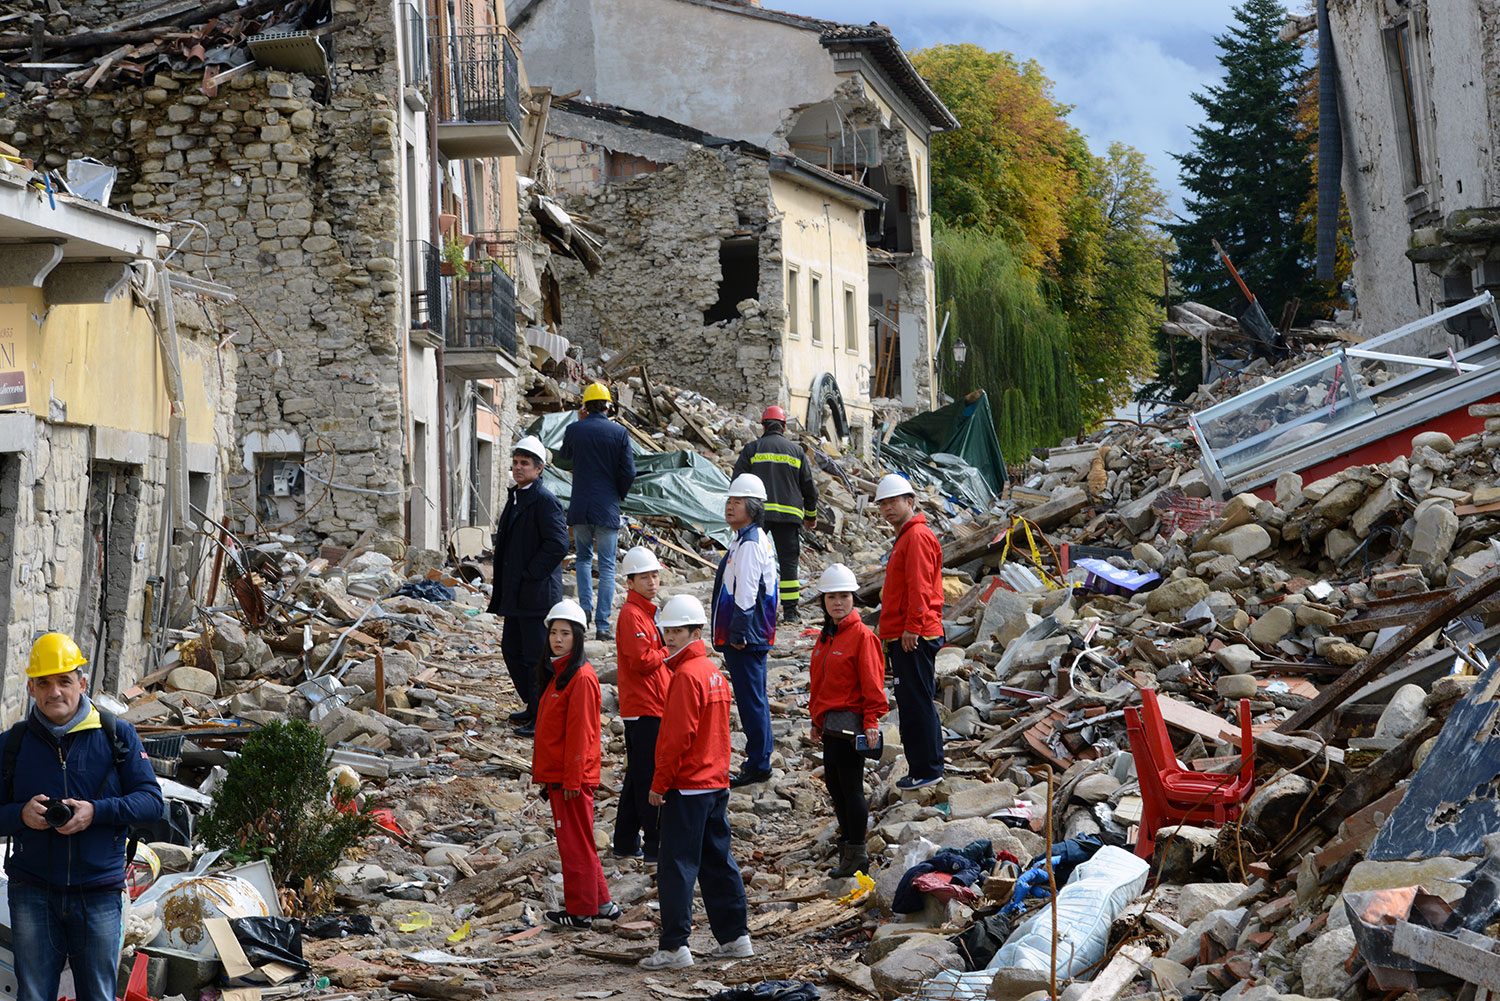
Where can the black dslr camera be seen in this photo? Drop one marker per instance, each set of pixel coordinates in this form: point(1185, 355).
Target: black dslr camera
point(56, 813)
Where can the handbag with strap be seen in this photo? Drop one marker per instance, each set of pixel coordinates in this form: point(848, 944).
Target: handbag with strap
point(845, 724)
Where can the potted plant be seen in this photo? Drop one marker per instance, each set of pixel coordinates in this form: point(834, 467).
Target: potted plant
point(447, 223)
point(453, 259)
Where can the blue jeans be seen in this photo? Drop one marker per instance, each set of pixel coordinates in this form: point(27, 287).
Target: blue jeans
point(50, 925)
point(695, 849)
point(747, 676)
point(607, 540)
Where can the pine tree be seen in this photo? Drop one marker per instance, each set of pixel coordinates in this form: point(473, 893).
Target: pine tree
point(1249, 172)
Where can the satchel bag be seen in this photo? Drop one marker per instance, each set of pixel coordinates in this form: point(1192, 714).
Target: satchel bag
point(845, 724)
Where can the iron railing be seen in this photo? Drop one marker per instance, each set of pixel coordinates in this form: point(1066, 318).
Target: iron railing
point(414, 69)
point(487, 315)
point(480, 67)
point(429, 293)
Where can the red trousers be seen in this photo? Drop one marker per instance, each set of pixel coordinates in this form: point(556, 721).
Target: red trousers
point(584, 889)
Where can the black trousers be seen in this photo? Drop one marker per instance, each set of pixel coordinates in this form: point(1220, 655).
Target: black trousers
point(695, 849)
point(523, 644)
point(844, 774)
point(788, 538)
point(915, 682)
point(635, 817)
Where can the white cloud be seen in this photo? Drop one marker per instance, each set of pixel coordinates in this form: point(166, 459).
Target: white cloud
point(1128, 68)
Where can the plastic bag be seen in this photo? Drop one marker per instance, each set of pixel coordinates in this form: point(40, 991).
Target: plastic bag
point(270, 940)
point(339, 925)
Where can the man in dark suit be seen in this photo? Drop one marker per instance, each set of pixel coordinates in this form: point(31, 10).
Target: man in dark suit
point(530, 543)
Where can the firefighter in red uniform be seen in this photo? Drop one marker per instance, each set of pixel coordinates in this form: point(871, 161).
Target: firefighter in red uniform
point(692, 788)
point(847, 676)
point(565, 759)
point(643, 679)
point(911, 627)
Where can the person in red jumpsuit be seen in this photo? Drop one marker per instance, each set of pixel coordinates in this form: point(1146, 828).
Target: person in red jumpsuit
point(565, 761)
point(847, 676)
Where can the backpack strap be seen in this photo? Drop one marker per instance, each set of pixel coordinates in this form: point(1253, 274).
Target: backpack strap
point(120, 752)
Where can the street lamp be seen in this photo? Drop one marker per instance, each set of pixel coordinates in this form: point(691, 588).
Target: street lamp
point(960, 351)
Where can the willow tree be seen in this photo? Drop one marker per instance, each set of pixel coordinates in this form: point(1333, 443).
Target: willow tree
point(1019, 344)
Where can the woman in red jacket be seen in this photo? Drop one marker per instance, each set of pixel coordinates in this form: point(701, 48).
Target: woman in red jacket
point(565, 759)
point(848, 699)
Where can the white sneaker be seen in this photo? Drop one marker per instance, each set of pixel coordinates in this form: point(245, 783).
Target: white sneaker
point(739, 948)
point(674, 959)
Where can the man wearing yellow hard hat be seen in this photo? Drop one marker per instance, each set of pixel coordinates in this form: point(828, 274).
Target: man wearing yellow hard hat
point(76, 781)
point(603, 470)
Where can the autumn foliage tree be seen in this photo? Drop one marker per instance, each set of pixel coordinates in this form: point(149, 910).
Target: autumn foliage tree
point(1075, 242)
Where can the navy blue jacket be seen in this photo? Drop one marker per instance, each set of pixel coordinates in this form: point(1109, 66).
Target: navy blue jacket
point(530, 543)
point(603, 470)
point(130, 797)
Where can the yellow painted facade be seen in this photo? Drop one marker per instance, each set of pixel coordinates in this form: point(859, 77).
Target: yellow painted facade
point(99, 360)
point(823, 241)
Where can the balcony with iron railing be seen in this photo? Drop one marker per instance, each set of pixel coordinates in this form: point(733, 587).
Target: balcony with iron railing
point(482, 341)
point(477, 84)
point(430, 308)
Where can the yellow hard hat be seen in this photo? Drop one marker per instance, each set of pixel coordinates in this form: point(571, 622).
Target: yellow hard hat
point(596, 391)
point(54, 653)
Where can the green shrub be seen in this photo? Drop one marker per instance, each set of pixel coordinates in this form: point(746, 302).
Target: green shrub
point(273, 805)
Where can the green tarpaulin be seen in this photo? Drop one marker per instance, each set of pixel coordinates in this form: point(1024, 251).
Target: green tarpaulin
point(683, 486)
point(955, 446)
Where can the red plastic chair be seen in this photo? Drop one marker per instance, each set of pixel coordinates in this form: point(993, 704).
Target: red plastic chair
point(1173, 794)
point(1189, 787)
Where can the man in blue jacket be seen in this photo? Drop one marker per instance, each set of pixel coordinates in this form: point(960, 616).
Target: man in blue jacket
point(744, 619)
point(603, 470)
point(530, 543)
point(76, 783)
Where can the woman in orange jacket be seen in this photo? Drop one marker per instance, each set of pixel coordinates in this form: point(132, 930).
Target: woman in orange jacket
point(565, 759)
point(848, 698)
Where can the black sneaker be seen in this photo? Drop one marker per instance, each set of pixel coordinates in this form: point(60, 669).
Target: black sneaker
point(604, 635)
point(911, 782)
point(609, 912)
point(565, 920)
point(635, 854)
point(525, 730)
point(749, 778)
point(524, 716)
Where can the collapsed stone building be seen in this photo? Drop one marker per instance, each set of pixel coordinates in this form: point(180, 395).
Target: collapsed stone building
point(765, 210)
point(349, 171)
point(1419, 112)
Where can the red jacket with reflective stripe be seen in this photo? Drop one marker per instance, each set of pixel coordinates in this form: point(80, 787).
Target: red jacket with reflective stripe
point(640, 655)
point(565, 750)
point(848, 672)
point(911, 600)
point(692, 749)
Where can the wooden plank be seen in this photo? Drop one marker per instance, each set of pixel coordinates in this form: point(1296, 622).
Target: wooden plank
point(1194, 720)
point(1063, 505)
point(1460, 959)
point(1385, 656)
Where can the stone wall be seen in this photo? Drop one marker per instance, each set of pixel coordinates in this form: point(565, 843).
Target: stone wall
point(662, 271)
point(300, 200)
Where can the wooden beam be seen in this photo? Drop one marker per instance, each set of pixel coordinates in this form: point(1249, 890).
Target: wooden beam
point(1443, 611)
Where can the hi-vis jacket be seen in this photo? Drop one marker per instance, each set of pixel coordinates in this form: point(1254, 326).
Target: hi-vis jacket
point(641, 656)
point(692, 749)
point(745, 593)
point(791, 494)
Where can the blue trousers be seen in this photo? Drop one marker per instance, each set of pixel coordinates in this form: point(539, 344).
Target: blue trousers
point(915, 682)
point(587, 538)
point(695, 849)
point(51, 925)
point(747, 676)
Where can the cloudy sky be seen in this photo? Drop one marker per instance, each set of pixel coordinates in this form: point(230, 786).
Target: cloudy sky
point(1127, 66)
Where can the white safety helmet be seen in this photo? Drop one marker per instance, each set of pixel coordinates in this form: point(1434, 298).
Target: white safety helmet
point(532, 446)
point(570, 610)
point(639, 560)
point(747, 485)
point(837, 578)
point(894, 485)
point(681, 610)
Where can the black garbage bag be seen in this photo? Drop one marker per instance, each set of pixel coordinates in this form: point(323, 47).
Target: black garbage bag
point(270, 940)
point(770, 990)
point(338, 925)
point(983, 939)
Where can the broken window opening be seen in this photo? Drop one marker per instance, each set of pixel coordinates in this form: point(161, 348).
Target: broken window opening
point(889, 227)
point(107, 568)
point(739, 277)
point(1401, 63)
point(624, 166)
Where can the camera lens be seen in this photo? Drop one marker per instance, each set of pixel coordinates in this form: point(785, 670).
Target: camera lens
point(57, 813)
